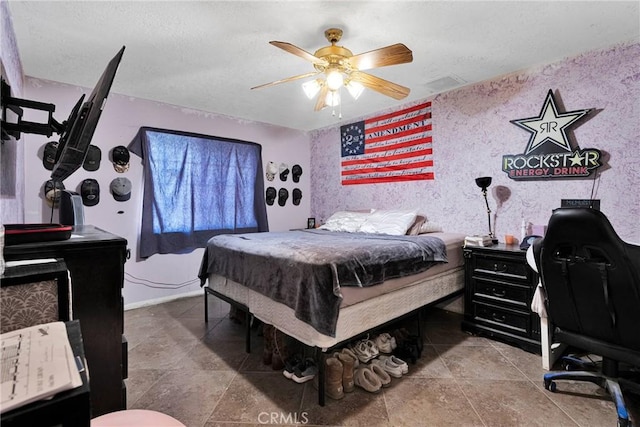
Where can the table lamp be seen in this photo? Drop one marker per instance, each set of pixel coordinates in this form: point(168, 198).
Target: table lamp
point(484, 182)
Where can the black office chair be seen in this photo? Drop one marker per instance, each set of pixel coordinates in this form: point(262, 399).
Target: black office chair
point(592, 282)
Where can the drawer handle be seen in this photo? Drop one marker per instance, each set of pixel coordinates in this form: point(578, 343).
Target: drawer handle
point(500, 269)
point(498, 293)
point(499, 318)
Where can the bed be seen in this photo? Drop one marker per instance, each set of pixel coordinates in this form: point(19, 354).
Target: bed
point(324, 287)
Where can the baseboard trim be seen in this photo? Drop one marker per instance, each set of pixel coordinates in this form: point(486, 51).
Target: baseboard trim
point(161, 300)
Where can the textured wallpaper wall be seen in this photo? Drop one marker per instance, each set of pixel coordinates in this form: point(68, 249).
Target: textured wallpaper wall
point(472, 131)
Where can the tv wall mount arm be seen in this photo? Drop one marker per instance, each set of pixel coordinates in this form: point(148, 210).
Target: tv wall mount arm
point(16, 105)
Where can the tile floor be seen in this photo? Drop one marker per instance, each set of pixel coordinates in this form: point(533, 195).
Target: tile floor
point(200, 374)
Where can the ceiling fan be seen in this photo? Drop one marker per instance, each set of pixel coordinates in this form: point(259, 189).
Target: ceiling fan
point(342, 68)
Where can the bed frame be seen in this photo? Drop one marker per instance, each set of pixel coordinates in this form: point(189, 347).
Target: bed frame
point(354, 321)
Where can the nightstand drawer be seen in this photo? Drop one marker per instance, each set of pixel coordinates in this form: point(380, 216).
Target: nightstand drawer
point(504, 293)
point(501, 267)
point(508, 320)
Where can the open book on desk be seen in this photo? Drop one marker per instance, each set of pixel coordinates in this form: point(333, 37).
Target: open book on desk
point(37, 363)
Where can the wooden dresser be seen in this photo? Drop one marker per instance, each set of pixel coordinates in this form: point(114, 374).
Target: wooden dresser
point(95, 259)
point(499, 287)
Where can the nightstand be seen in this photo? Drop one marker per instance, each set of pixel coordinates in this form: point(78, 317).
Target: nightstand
point(499, 287)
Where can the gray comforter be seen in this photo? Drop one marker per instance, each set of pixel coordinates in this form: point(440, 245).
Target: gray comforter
point(305, 269)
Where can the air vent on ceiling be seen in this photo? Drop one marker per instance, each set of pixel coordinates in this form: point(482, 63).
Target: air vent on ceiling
point(443, 84)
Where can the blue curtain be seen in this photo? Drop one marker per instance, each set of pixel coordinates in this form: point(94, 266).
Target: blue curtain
point(195, 187)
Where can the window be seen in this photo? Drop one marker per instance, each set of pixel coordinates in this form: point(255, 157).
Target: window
point(195, 187)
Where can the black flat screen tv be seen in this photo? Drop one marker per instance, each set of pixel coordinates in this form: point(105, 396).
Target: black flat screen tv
point(81, 124)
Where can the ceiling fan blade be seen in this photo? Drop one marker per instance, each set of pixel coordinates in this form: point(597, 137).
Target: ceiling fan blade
point(288, 79)
point(382, 86)
point(300, 52)
point(390, 55)
point(321, 102)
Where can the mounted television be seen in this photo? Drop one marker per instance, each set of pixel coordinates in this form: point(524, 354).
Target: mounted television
point(81, 124)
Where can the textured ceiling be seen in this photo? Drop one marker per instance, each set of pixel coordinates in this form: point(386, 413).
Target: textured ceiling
point(207, 55)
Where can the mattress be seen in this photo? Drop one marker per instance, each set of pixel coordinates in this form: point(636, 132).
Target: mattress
point(453, 243)
point(362, 308)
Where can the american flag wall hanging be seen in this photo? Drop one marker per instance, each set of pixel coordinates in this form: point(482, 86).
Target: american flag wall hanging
point(390, 148)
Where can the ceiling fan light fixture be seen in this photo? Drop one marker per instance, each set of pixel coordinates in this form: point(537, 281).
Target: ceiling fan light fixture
point(355, 89)
point(338, 67)
point(335, 80)
point(311, 88)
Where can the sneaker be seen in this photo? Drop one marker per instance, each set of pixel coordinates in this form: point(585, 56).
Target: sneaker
point(372, 347)
point(395, 366)
point(290, 365)
point(305, 371)
point(385, 343)
point(365, 350)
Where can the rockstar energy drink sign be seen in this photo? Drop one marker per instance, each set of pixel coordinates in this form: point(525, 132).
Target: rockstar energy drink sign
point(549, 153)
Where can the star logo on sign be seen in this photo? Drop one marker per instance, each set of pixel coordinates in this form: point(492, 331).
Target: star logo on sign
point(549, 126)
point(576, 160)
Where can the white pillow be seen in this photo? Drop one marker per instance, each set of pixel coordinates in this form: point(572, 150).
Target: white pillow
point(430, 227)
point(394, 221)
point(345, 221)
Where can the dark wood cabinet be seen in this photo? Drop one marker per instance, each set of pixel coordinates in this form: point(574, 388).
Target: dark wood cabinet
point(95, 259)
point(499, 287)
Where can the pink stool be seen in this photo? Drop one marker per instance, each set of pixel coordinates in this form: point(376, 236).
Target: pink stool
point(135, 418)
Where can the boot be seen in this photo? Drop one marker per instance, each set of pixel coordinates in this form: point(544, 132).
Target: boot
point(348, 364)
point(333, 378)
point(400, 335)
point(267, 353)
point(277, 361)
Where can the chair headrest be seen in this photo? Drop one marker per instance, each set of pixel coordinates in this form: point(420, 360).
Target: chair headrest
point(579, 231)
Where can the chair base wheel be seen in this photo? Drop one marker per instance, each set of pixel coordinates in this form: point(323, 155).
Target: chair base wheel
point(623, 422)
point(550, 385)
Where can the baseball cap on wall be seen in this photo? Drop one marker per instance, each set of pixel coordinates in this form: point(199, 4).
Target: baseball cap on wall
point(296, 171)
point(92, 159)
point(49, 156)
point(270, 195)
point(283, 195)
point(297, 195)
point(120, 156)
point(121, 189)
point(284, 171)
point(52, 191)
point(90, 192)
point(272, 170)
